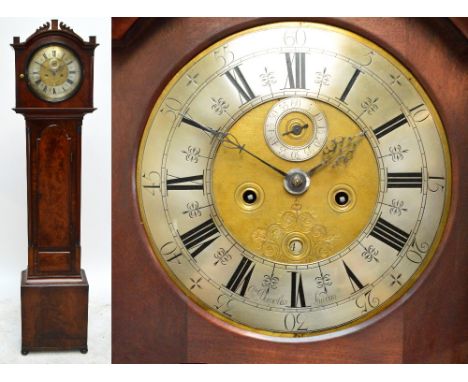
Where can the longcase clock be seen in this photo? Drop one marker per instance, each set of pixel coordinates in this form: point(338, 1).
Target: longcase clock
point(54, 91)
point(290, 187)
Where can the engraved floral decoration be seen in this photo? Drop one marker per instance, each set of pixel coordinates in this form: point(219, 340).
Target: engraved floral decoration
point(268, 78)
point(269, 240)
point(222, 257)
point(219, 105)
point(397, 152)
point(369, 105)
point(322, 78)
point(270, 282)
point(193, 209)
point(191, 154)
point(323, 281)
point(370, 254)
point(397, 207)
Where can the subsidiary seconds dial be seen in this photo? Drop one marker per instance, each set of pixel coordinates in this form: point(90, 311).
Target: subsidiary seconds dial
point(295, 129)
point(288, 185)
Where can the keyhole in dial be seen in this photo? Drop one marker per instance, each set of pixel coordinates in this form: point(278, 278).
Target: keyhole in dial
point(341, 198)
point(249, 196)
point(295, 246)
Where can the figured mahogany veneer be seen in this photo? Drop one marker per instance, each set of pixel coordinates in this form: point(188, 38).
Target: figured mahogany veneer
point(153, 322)
point(54, 290)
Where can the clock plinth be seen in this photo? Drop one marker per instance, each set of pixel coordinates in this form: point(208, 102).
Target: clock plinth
point(54, 71)
point(54, 313)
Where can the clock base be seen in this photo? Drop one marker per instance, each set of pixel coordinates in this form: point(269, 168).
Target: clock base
point(54, 314)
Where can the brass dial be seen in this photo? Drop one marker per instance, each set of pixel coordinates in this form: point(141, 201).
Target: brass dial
point(54, 73)
point(314, 234)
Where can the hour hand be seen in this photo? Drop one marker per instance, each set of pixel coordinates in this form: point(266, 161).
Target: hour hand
point(191, 122)
point(338, 152)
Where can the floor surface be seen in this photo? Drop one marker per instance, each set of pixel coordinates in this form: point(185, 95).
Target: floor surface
point(99, 338)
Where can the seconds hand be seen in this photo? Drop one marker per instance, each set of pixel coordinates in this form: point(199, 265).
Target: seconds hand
point(229, 140)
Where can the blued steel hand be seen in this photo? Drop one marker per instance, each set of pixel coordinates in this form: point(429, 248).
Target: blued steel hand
point(296, 129)
point(229, 141)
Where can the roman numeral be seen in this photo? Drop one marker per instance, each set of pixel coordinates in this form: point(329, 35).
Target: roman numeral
point(44, 55)
point(241, 277)
point(54, 53)
point(389, 234)
point(70, 81)
point(351, 82)
point(53, 91)
point(200, 237)
point(188, 183)
point(355, 283)
point(390, 126)
point(44, 89)
point(393, 124)
point(238, 80)
point(38, 81)
point(296, 77)
point(297, 291)
point(404, 180)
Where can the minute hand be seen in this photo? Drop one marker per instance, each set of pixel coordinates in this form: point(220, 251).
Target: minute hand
point(229, 141)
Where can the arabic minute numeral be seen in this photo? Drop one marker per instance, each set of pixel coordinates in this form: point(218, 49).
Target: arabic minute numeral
point(224, 304)
point(294, 322)
point(367, 302)
point(225, 55)
point(151, 181)
point(294, 37)
point(170, 252)
point(437, 185)
point(172, 107)
point(416, 252)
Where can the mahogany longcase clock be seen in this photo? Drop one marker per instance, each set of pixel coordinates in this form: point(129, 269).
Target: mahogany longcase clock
point(54, 90)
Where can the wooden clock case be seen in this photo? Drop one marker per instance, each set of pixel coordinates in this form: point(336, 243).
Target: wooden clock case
point(155, 323)
point(54, 288)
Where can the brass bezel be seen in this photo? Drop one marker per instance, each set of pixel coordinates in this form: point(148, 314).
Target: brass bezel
point(381, 309)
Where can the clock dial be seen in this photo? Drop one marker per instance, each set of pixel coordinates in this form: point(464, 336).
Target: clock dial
point(54, 73)
point(294, 180)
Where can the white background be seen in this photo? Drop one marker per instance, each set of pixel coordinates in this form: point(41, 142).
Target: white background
point(95, 199)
